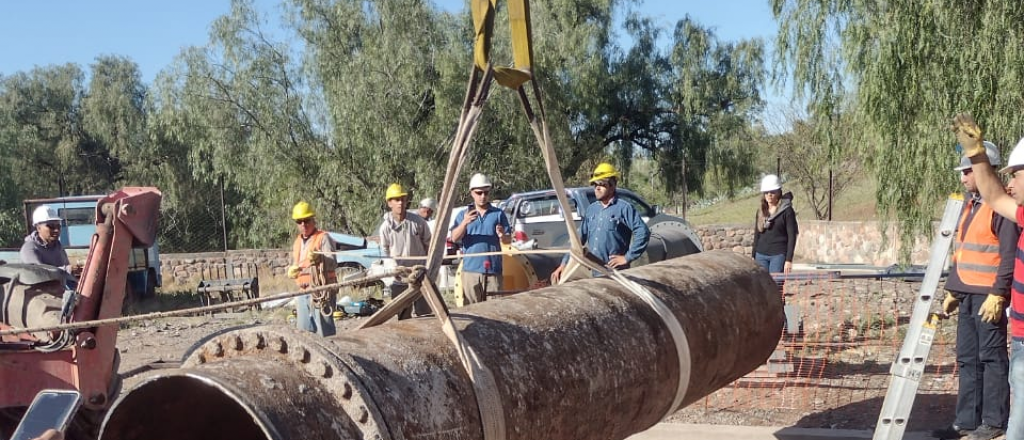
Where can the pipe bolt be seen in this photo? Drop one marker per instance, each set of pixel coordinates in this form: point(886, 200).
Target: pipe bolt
point(346, 391)
point(324, 370)
point(277, 344)
point(236, 343)
point(218, 349)
point(364, 415)
point(257, 341)
point(300, 355)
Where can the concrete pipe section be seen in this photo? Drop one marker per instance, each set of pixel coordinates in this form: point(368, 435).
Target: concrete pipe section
point(585, 360)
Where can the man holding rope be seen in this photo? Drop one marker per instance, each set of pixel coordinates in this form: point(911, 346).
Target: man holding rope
point(310, 269)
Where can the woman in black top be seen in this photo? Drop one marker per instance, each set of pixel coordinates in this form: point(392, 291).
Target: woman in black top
point(775, 227)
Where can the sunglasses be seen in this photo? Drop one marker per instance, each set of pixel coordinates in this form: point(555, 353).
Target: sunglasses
point(303, 220)
point(52, 225)
point(601, 183)
point(480, 192)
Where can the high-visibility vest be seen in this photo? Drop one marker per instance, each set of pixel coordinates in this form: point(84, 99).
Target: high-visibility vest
point(977, 249)
point(314, 242)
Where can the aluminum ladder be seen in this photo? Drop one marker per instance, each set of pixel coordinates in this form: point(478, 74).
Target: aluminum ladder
point(908, 367)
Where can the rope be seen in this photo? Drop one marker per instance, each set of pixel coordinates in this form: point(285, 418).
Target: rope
point(198, 310)
point(478, 254)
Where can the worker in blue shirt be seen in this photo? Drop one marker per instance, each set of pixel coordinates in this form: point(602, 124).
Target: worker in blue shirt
point(611, 230)
point(481, 228)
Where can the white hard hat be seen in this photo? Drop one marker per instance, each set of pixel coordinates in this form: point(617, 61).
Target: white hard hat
point(770, 183)
point(1016, 159)
point(479, 181)
point(43, 214)
point(428, 203)
point(991, 150)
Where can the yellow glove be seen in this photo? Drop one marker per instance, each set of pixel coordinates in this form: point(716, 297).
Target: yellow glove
point(969, 135)
point(314, 258)
point(950, 304)
point(293, 272)
point(992, 309)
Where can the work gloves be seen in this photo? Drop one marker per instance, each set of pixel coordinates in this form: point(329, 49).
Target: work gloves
point(293, 272)
point(950, 304)
point(969, 135)
point(992, 309)
point(314, 258)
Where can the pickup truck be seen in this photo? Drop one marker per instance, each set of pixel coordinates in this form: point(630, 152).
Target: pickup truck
point(537, 216)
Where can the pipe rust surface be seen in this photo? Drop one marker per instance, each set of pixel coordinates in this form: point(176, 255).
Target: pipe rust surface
point(585, 360)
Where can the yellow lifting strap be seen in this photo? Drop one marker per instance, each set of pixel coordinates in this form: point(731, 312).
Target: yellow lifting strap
point(522, 50)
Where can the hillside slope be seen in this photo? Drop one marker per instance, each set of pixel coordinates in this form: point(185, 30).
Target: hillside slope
point(857, 202)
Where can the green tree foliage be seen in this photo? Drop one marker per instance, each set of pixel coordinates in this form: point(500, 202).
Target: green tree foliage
point(716, 92)
point(376, 64)
point(353, 95)
point(911, 66)
point(40, 141)
point(114, 116)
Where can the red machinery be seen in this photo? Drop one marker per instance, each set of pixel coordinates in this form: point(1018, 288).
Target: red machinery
point(35, 296)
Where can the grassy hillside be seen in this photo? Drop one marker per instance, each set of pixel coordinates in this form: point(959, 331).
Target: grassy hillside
point(857, 202)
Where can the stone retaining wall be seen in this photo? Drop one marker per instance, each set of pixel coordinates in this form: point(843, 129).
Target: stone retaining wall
point(823, 242)
point(819, 242)
point(190, 268)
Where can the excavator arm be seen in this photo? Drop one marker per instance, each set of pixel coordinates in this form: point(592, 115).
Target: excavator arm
point(34, 296)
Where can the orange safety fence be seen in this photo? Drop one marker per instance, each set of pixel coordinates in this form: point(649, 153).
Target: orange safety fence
point(841, 337)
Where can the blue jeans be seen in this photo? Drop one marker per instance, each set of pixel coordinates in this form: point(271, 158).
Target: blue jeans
point(774, 263)
point(309, 319)
point(1015, 428)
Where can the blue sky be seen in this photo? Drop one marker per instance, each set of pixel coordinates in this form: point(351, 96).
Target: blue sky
point(39, 33)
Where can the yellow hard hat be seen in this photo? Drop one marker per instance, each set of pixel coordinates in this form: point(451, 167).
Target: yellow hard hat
point(302, 210)
point(604, 170)
point(394, 191)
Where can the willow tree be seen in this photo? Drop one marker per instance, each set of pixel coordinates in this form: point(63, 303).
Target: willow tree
point(114, 119)
point(235, 113)
point(910, 66)
point(716, 93)
point(374, 65)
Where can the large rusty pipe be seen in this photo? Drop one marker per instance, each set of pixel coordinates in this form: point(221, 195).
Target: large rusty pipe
point(585, 360)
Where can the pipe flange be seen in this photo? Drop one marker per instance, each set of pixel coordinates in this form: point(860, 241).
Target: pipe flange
point(309, 355)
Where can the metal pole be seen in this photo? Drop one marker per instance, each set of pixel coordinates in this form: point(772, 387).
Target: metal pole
point(830, 192)
point(685, 191)
point(223, 215)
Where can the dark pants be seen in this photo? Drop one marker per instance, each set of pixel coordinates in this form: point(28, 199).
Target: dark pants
point(420, 305)
point(984, 364)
